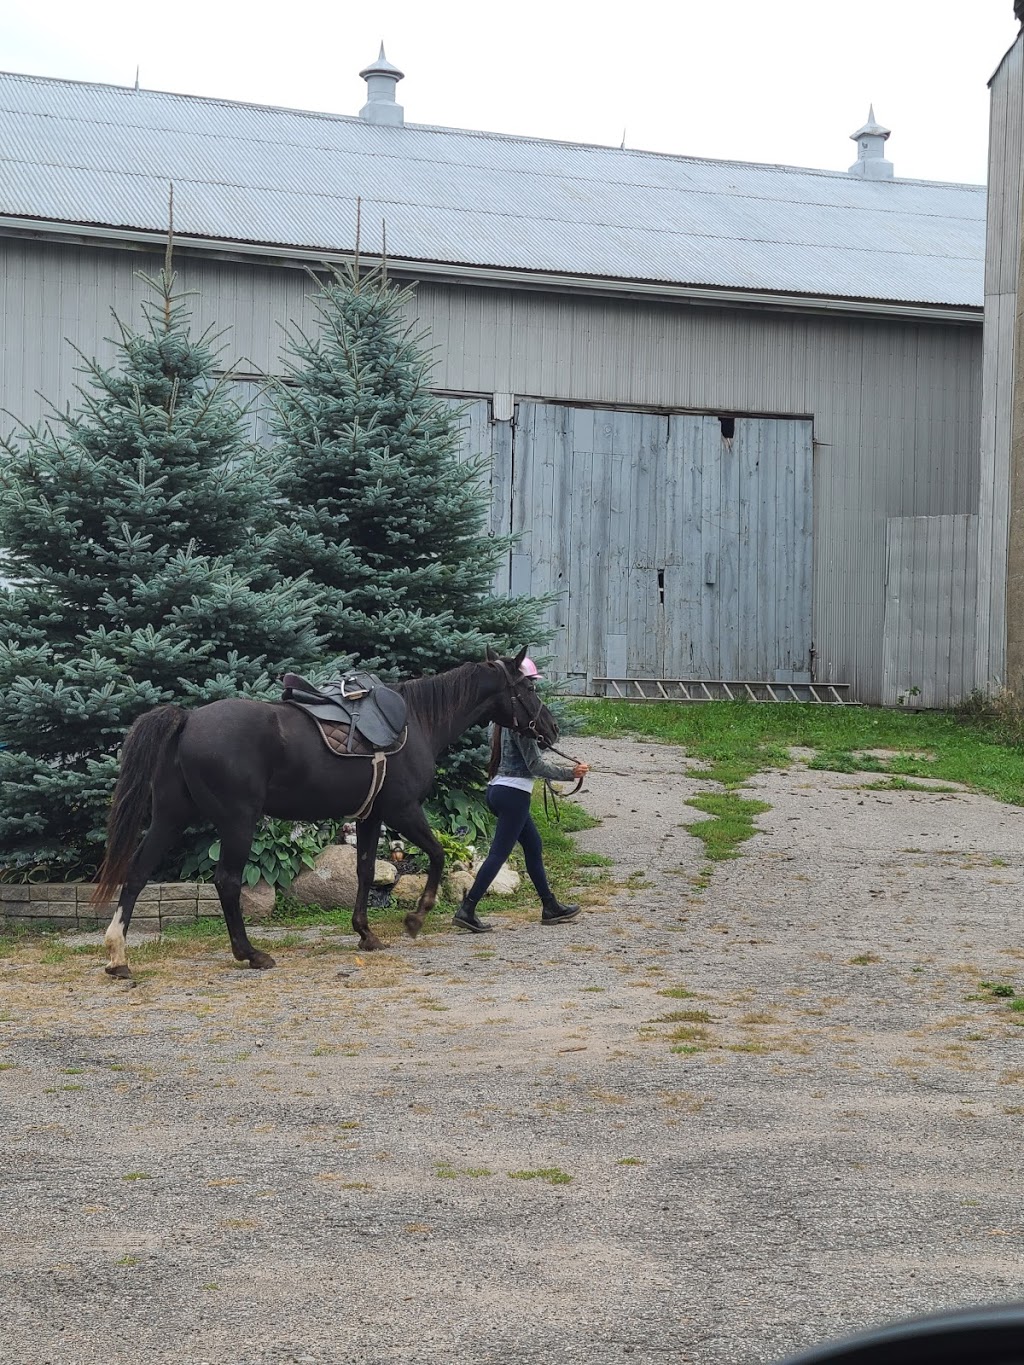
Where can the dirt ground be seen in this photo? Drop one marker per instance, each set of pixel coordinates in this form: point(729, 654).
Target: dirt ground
point(702, 1124)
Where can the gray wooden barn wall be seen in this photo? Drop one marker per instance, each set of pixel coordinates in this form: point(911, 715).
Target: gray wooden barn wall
point(895, 405)
point(1002, 271)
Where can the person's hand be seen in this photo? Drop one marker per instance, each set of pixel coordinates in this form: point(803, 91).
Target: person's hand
point(580, 771)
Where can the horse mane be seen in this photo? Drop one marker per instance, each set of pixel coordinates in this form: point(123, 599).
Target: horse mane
point(435, 699)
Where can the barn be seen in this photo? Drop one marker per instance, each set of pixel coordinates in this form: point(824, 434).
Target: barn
point(733, 411)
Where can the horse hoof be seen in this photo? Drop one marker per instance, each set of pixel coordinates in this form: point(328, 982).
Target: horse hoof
point(413, 925)
point(122, 971)
point(261, 962)
point(371, 945)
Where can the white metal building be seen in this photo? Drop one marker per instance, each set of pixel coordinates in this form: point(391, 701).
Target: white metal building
point(733, 410)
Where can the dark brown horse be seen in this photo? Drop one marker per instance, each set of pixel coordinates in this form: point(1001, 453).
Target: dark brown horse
point(232, 762)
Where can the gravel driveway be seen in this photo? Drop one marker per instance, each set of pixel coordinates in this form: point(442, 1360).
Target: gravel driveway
point(706, 1124)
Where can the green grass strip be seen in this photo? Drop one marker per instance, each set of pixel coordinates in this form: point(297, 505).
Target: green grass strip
point(738, 739)
point(733, 821)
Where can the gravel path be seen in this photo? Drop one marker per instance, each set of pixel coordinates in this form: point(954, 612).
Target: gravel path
point(503, 1151)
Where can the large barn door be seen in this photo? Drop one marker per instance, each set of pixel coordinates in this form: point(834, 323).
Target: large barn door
point(738, 570)
point(671, 548)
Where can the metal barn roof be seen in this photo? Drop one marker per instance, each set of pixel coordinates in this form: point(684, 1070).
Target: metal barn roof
point(84, 154)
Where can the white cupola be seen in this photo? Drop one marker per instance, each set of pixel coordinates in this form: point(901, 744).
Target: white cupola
point(381, 82)
point(870, 140)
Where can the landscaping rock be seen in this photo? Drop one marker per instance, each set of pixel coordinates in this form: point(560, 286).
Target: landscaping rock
point(331, 882)
point(506, 883)
point(258, 901)
point(457, 883)
point(384, 873)
point(410, 887)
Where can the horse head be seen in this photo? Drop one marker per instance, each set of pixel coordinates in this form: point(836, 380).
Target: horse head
point(518, 705)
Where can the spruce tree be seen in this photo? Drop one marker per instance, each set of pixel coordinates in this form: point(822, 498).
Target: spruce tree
point(134, 535)
point(382, 513)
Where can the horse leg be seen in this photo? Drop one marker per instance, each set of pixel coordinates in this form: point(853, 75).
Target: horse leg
point(413, 825)
point(236, 836)
point(367, 835)
point(172, 811)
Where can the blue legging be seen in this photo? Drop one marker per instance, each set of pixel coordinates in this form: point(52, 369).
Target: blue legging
point(515, 825)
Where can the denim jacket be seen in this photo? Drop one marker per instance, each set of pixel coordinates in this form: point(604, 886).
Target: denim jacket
point(521, 757)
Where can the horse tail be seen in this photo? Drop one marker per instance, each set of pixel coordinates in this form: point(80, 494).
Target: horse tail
point(144, 746)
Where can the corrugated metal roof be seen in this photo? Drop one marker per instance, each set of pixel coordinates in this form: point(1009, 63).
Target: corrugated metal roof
point(103, 155)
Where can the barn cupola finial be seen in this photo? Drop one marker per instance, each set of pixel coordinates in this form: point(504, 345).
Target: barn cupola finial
point(381, 82)
point(871, 163)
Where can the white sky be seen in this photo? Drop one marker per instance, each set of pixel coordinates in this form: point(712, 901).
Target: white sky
point(751, 80)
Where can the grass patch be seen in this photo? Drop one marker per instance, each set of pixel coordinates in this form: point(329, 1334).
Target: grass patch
point(977, 747)
point(732, 822)
point(677, 993)
point(629, 1161)
point(444, 1171)
point(137, 1175)
point(684, 1017)
point(551, 1174)
point(904, 784)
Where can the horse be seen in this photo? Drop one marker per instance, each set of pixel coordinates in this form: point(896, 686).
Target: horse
point(230, 762)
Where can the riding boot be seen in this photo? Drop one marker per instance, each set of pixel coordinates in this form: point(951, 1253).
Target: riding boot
point(554, 913)
point(466, 918)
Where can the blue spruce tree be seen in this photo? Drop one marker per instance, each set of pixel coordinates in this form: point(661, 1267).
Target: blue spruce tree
point(381, 512)
point(134, 534)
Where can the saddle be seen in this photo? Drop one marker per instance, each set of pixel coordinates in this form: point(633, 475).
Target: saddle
point(357, 707)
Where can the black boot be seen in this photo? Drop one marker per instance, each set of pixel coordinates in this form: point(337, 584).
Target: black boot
point(466, 918)
point(553, 913)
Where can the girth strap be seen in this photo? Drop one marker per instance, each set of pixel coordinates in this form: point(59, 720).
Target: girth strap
point(378, 774)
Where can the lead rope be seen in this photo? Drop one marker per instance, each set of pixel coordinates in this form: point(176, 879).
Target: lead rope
point(548, 788)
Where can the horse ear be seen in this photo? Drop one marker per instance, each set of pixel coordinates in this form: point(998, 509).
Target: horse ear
point(520, 656)
point(492, 656)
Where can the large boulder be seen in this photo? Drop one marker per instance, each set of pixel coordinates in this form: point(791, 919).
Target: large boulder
point(331, 883)
point(410, 887)
point(258, 901)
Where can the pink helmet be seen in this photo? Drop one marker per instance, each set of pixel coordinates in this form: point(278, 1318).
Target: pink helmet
point(529, 669)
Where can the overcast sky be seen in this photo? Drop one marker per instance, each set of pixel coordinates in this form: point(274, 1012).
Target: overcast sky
point(750, 80)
